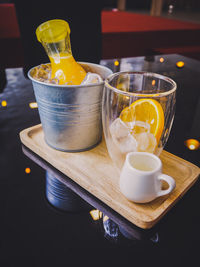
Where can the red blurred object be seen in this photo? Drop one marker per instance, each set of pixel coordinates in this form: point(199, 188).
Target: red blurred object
point(122, 21)
point(127, 34)
point(11, 52)
point(8, 22)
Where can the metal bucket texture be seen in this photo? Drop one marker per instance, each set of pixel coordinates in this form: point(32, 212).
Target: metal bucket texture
point(71, 114)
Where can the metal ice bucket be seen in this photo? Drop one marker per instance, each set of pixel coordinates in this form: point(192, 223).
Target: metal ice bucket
point(71, 114)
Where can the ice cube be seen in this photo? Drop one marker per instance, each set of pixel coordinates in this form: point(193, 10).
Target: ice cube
point(132, 136)
point(53, 81)
point(42, 72)
point(145, 142)
point(141, 132)
point(138, 127)
point(122, 137)
point(129, 137)
point(128, 144)
point(119, 129)
point(91, 78)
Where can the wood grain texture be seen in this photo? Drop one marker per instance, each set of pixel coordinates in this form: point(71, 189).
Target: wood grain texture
point(94, 171)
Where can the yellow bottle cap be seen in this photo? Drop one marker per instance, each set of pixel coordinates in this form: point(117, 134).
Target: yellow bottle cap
point(52, 31)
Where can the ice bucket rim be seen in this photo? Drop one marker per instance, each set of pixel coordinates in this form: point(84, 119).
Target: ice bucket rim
point(71, 86)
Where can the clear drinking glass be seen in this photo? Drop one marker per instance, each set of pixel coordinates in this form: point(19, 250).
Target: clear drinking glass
point(137, 114)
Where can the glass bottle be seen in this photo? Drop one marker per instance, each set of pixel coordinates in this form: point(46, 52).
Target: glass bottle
point(54, 36)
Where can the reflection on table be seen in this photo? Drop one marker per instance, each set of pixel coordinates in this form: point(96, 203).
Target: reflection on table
point(64, 194)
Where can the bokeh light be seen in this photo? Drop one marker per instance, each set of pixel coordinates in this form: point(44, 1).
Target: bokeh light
point(192, 144)
point(162, 60)
point(4, 103)
point(180, 64)
point(96, 214)
point(116, 63)
point(27, 170)
point(33, 105)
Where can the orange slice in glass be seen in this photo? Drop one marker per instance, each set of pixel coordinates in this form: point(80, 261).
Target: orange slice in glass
point(146, 110)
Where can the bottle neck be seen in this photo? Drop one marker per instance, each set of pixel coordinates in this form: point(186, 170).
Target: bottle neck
point(56, 49)
point(55, 37)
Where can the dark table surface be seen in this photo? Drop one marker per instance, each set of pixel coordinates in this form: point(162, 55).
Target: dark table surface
point(33, 232)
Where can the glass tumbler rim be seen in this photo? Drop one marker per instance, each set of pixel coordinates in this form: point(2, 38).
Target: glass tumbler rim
point(150, 74)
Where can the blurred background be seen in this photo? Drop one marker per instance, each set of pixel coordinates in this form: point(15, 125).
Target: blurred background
point(132, 17)
point(110, 29)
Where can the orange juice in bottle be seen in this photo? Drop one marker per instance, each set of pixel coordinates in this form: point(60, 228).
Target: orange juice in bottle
point(54, 36)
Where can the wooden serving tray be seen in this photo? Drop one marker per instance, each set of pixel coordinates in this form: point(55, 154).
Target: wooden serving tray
point(94, 171)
